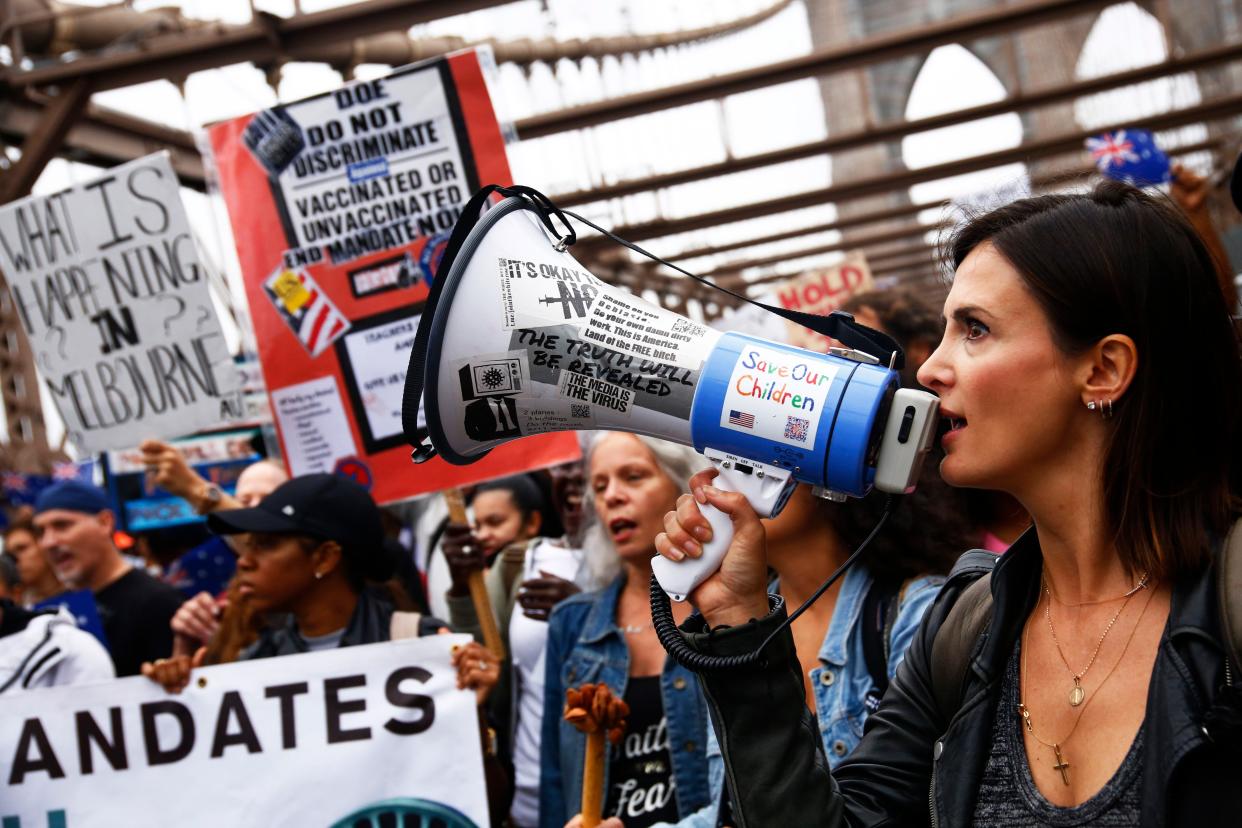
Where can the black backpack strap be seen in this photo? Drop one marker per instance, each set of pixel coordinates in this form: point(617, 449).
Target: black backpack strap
point(879, 613)
point(1230, 585)
point(956, 639)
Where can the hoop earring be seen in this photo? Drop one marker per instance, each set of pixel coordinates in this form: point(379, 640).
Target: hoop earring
point(1108, 411)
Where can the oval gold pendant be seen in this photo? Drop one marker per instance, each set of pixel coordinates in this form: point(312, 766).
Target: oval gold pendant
point(1077, 695)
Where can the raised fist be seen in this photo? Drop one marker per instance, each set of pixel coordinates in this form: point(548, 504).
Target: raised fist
point(274, 139)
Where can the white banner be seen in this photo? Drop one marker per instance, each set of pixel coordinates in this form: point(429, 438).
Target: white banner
point(108, 284)
point(323, 739)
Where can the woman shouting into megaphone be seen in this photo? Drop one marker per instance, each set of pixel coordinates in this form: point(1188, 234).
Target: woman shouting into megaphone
point(1090, 369)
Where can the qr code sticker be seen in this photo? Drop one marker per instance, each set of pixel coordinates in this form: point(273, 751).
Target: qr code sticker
point(580, 411)
point(796, 428)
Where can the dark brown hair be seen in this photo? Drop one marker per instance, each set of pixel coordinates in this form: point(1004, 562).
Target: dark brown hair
point(1117, 260)
point(906, 316)
point(926, 531)
point(24, 524)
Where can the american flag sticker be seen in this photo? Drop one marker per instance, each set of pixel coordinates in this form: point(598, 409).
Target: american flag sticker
point(306, 309)
point(741, 418)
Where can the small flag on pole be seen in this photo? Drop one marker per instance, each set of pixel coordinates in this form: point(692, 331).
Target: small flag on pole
point(1130, 155)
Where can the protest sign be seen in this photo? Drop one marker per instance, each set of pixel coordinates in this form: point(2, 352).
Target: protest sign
point(341, 205)
point(315, 739)
point(109, 285)
point(218, 458)
point(822, 291)
point(248, 405)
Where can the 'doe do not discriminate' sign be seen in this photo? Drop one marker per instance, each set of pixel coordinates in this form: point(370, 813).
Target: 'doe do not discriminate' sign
point(108, 283)
point(341, 206)
point(320, 739)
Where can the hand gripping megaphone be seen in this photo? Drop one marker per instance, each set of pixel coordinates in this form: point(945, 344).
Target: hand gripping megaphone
point(518, 338)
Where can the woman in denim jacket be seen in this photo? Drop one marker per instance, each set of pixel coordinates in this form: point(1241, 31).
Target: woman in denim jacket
point(852, 639)
point(659, 774)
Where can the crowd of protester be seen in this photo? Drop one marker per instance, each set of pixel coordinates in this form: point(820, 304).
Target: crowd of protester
point(1076, 427)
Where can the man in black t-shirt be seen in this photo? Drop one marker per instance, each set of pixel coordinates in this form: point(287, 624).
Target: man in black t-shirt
point(75, 525)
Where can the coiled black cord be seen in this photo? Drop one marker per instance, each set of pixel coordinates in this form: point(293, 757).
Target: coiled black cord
point(675, 643)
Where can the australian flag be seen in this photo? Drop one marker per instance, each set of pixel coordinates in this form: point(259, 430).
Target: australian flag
point(1130, 155)
point(21, 489)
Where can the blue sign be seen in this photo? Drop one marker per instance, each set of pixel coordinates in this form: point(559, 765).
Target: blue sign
point(143, 506)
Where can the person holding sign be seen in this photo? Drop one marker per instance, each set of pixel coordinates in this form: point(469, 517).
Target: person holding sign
point(75, 523)
point(544, 571)
point(659, 772)
point(507, 514)
point(169, 471)
point(309, 550)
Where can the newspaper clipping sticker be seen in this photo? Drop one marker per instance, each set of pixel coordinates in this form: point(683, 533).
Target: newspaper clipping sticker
point(619, 322)
point(538, 293)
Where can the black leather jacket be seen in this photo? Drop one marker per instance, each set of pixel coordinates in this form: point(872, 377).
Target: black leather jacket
point(915, 768)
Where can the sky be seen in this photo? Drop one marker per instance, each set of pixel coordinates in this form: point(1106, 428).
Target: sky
point(951, 78)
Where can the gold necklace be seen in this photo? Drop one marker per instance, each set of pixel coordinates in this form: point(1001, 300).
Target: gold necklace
point(1077, 694)
point(1025, 712)
point(1142, 584)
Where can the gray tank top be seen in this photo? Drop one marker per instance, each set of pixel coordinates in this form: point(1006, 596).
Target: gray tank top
point(1008, 797)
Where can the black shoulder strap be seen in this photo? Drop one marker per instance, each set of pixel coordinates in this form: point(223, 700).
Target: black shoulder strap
point(878, 612)
point(965, 622)
point(1230, 585)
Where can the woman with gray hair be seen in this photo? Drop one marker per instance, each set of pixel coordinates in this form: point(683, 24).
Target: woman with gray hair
point(659, 772)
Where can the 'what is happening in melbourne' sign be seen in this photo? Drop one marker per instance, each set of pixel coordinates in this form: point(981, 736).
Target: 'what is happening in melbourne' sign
point(107, 281)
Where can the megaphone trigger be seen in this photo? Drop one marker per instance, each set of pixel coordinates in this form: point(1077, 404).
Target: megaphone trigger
point(767, 489)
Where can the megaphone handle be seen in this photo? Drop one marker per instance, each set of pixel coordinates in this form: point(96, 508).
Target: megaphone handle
point(679, 578)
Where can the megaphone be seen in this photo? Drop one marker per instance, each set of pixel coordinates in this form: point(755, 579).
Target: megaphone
point(518, 338)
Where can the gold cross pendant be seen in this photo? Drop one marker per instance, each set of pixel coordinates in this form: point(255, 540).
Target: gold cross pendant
point(1061, 765)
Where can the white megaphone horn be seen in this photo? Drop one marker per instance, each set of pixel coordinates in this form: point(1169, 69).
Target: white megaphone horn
point(518, 338)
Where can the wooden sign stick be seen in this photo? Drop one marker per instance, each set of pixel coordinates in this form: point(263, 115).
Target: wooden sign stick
point(478, 589)
point(594, 710)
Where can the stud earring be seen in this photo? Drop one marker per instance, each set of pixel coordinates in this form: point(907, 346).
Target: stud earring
point(318, 576)
point(1091, 406)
